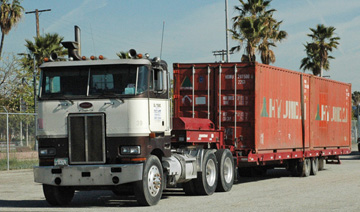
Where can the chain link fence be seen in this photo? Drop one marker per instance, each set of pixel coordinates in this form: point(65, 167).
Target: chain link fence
point(18, 145)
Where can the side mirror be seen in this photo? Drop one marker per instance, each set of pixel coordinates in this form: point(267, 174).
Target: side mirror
point(159, 81)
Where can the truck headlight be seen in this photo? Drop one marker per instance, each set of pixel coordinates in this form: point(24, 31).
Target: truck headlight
point(47, 152)
point(130, 150)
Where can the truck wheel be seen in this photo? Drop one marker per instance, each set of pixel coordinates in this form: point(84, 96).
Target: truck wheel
point(314, 166)
point(321, 163)
point(58, 195)
point(148, 191)
point(206, 181)
point(304, 167)
point(226, 170)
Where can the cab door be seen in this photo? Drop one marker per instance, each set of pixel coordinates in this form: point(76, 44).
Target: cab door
point(159, 103)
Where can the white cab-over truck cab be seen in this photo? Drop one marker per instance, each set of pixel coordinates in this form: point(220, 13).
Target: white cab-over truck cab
point(106, 124)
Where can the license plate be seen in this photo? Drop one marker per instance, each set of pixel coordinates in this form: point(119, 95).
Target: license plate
point(61, 161)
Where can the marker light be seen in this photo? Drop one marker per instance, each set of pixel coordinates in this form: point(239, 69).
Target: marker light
point(101, 57)
point(140, 56)
point(46, 59)
point(83, 58)
point(92, 57)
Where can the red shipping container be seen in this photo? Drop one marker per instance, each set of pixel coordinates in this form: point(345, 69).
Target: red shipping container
point(277, 110)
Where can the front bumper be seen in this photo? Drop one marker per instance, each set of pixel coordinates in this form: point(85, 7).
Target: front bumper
point(88, 175)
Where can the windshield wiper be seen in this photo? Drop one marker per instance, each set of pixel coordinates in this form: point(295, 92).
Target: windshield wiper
point(110, 94)
point(63, 97)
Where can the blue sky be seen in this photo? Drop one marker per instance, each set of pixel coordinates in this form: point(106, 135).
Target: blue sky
point(193, 29)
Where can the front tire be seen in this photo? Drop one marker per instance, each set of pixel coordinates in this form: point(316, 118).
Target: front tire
point(149, 190)
point(226, 170)
point(58, 195)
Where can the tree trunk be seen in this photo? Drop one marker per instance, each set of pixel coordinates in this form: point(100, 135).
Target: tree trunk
point(2, 43)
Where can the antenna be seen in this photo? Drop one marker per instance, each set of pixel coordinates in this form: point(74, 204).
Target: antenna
point(92, 37)
point(162, 39)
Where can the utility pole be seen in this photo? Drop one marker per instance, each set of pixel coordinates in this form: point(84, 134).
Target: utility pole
point(222, 53)
point(227, 32)
point(37, 19)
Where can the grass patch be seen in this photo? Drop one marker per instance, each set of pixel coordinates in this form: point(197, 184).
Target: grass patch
point(18, 164)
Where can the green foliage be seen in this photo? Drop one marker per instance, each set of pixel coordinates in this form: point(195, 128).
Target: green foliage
point(12, 88)
point(123, 55)
point(10, 14)
point(256, 27)
point(18, 164)
point(317, 51)
point(42, 47)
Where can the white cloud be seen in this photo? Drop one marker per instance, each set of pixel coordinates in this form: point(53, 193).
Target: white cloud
point(80, 12)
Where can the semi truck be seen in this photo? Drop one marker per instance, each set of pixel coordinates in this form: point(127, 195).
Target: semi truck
point(118, 123)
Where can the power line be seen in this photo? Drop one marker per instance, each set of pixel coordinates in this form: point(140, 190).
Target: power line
point(222, 53)
point(37, 19)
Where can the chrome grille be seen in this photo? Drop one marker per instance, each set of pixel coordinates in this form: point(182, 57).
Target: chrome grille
point(86, 138)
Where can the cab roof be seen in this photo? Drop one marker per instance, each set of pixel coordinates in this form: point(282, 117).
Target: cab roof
point(96, 63)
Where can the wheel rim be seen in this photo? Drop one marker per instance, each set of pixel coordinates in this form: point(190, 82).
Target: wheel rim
point(154, 181)
point(307, 165)
point(210, 172)
point(228, 170)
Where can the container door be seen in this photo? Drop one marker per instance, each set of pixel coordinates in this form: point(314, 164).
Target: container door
point(194, 92)
point(234, 93)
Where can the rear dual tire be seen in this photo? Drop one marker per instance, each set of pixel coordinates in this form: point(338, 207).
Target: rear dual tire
point(207, 180)
point(217, 174)
point(226, 170)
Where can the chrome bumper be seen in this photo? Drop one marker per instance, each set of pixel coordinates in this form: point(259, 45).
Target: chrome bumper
point(88, 175)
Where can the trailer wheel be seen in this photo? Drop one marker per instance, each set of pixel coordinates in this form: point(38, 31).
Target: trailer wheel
point(314, 166)
point(321, 163)
point(304, 167)
point(206, 181)
point(148, 191)
point(58, 195)
point(226, 170)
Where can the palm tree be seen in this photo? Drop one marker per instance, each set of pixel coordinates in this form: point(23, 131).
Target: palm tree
point(43, 47)
point(10, 15)
point(250, 32)
point(253, 8)
point(317, 52)
point(272, 35)
point(256, 27)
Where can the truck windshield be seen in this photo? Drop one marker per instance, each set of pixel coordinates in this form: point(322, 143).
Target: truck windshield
point(79, 82)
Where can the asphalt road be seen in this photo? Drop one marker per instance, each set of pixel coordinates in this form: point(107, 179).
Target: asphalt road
point(334, 189)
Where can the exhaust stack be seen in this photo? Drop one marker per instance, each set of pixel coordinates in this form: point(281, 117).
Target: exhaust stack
point(74, 47)
point(78, 38)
